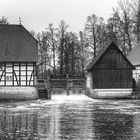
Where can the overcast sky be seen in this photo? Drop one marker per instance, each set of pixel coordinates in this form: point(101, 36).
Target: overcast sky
point(37, 14)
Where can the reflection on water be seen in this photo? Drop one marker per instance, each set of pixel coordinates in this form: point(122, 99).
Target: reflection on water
point(17, 126)
point(74, 117)
point(112, 125)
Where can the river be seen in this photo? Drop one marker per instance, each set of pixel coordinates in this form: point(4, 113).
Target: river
point(74, 117)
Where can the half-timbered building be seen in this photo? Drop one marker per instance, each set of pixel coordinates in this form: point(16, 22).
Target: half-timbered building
point(134, 58)
point(110, 74)
point(18, 57)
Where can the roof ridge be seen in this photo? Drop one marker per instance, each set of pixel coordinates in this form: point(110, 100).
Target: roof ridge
point(11, 25)
point(100, 53)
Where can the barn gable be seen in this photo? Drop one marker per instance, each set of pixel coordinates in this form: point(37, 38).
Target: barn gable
point(110, 57)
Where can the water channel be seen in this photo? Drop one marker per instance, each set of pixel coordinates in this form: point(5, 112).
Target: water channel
point(74, 117)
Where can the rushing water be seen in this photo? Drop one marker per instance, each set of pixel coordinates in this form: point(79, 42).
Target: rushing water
point(74, 117)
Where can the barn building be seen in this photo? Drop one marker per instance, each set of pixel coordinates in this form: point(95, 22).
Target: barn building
point(109, 75)
point(134, 58)
point(18, 57)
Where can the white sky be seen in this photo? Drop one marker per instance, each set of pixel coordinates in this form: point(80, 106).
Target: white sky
point(37, 14)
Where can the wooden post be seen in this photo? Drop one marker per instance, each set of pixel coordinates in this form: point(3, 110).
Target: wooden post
point(48, 87)
point(67, 83)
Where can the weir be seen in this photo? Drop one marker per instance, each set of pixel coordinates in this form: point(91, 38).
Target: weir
point(60, 85)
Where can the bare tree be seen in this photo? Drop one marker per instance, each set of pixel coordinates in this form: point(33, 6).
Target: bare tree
point(4, 20)
point(122, 26)
point(128, 24)
point(94, 33)
point(53, 43)
point(62, 31)
point(135, 5)
point(84, 50)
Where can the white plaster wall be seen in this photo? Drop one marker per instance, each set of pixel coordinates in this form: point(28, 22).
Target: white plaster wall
point(136, 76)
point(89, 82)
point(109, 93)
point(18, 93)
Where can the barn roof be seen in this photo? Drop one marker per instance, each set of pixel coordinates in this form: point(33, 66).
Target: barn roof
point(17, 44)
point(134, 55)
point(103, 50)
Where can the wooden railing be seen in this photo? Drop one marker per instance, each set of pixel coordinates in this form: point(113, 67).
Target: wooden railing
point(78, 82)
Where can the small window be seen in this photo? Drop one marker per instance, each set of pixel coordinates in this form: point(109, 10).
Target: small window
point(8, 78)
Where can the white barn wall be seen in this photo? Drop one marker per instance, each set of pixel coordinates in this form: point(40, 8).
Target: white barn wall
point(18, 93)
point(109, 93)
point(89, 82)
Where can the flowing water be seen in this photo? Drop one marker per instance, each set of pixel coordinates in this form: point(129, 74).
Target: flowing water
point(74, 117)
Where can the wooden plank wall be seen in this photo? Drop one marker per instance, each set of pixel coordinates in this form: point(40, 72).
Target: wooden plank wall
point(112, 59)
point(112, 79)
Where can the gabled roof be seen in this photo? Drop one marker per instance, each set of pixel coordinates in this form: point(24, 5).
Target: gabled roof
point(17, 44)
point(101, 53)
point(134, 55)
